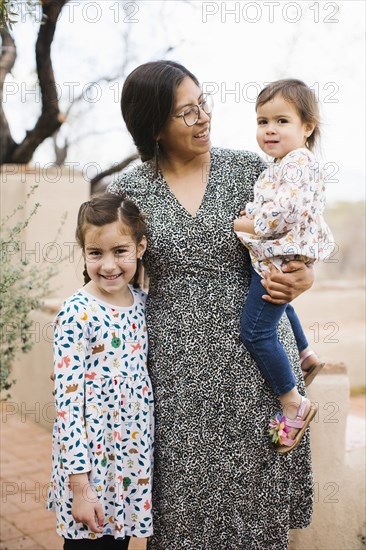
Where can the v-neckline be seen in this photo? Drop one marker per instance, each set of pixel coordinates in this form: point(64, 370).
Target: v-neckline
point(177, 201)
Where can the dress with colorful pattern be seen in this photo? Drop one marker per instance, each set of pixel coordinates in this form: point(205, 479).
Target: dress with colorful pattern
point(104, 407)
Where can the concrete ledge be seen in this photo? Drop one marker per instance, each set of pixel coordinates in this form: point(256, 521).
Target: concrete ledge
point(334, 368)
point(339, 482)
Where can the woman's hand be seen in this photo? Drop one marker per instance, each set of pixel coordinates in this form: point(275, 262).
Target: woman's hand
point(286, 286)
point(86, 507)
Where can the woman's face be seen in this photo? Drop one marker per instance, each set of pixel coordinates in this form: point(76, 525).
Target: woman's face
point(176, 139)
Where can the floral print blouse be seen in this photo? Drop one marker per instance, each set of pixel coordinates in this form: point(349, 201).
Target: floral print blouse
point(104, 406)
point(287, 210)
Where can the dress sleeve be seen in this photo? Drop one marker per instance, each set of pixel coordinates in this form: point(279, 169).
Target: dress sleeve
point(294, 183)
point(69, 350)
point(117, 187)
point(244, 168)
point(128, 184)
point(257, 165)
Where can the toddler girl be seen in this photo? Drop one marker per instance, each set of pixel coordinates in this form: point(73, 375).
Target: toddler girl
point(103, 433)
point(284, 222)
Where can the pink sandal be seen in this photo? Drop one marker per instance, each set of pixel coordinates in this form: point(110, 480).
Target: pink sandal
point(310, 373)
point(280, 426)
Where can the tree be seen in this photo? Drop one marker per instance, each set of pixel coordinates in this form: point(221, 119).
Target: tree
point(50, 122)
point(50, 118)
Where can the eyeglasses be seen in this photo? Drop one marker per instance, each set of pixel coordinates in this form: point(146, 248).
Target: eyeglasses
point(192, 113)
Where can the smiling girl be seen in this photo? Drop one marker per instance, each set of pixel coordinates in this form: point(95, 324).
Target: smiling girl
point(103, 438)
point(284, 223)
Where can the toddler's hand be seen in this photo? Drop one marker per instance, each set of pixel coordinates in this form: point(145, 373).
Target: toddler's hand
point(243, 224)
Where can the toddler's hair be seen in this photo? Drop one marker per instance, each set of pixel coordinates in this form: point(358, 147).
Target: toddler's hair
point(108, 208)
point(296, 92)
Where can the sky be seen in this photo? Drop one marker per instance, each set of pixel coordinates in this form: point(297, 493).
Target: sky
point(234, 48)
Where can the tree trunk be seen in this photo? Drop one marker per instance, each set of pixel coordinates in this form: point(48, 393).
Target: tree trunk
point(7, 60)
point(51, 118)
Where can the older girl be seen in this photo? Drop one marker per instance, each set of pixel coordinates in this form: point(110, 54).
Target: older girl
point(102, 440)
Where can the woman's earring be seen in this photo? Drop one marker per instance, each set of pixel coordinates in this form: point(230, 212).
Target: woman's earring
point(156, 158)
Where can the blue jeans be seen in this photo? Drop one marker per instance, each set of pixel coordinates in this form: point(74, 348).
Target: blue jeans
point(258, 332)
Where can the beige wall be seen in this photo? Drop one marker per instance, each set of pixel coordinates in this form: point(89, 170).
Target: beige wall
point(332, 314)
point(58, 194)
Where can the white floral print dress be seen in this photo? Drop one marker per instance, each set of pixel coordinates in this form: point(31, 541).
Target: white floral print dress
point(104, 406)
point(287, 210)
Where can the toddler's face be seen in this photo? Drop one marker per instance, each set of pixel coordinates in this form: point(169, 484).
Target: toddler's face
point(280, 128)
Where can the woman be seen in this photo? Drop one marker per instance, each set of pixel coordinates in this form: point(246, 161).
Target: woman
point(218, 482)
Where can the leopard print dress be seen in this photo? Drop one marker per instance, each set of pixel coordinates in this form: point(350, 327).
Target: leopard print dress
point(218, 482)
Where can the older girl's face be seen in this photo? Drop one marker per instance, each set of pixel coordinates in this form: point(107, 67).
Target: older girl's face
point(111, 259)
point(176, 139)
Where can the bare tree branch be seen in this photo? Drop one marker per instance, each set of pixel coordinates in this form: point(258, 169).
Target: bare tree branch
point(7, 60)
point(115, 168)
point(51, 118)
point(62, 152)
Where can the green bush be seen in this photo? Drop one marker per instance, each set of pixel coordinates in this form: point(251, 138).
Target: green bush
point(22, 290)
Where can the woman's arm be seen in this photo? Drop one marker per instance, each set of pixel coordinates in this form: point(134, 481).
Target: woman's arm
point(297, 277)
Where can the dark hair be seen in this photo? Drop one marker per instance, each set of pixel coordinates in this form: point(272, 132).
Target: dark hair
point(147, 101)
point(296, 92)
point(107, 208)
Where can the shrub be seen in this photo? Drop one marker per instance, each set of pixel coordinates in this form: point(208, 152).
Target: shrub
point(22, 290)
